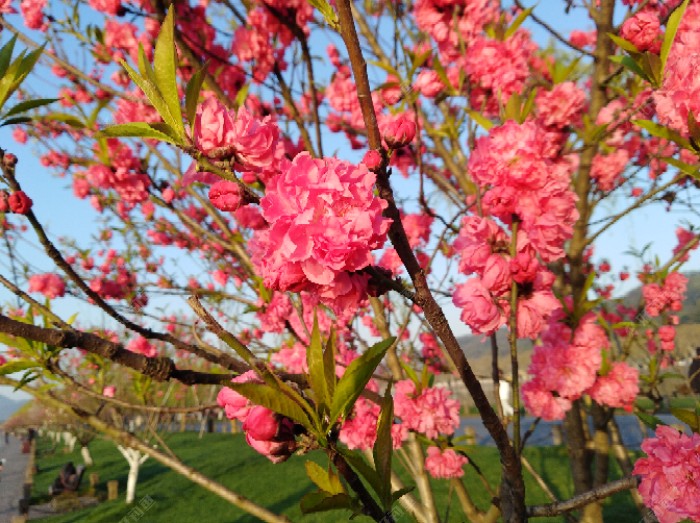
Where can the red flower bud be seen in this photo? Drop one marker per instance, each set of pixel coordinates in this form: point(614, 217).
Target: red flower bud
point(400, 132)
point(19, 202)
point(4, 203)
point(372, 159)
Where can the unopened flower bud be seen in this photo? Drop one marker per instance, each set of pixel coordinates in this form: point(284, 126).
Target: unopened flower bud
point(400, 132)
point(372, 159)
point(19, 202)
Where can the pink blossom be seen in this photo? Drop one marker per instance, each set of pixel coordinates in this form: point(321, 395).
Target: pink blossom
point(671, 475)
point(140, 345)
point(432, 412)
point(561, 106)
point(667, 335)
point(109, 391)
point(543, 403)
point(225, 195)
point(19, 202)
point(50, 285)
point(213, 129)
point(255, 141)
point(400, 132)
point(32, 11)
point(618, 388)
point(261, 423)
point(643, 30)
point(679, 95)
point(234, 404)
point(479, 309)
point(429, 83)
point(324, 220)
point(292, 359)
point(444, 464)
point(534, 311)
point(372, 159)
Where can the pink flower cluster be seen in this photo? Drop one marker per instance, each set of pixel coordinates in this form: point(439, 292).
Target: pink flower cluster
point(658, 299)
point(324, 221)
point(564, 368)
point(141, 345)
point(268, 433)
point(679, 95)
point(445, 464)
point(515, 166)
point(220, 133)
point(671, 475)
point(432, 412)
point(50, 285)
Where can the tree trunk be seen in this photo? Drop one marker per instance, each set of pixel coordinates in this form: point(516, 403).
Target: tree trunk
point(135, 460)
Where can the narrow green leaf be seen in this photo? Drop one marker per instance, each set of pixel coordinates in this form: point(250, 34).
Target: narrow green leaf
point(355, 378)
point(314, 360)
point(383, 447)
point(65, 118)
point(320, 501)
point(17, 365)
point(660, 131)
point(689, 417)
point(165, 67)
point(327, 11)
point(29, 104)
point(480, 119)
point(650, 421)
point(630, 64)
point(386, 66)
point(150, 89)
point(671, 27)
point(329, 366)
point(136, 130)
point(241, 96)
point(522, 16)
point(363, 468)
point(194, 87)
point(402, 492)
point(15, 121)
point(6, 55)
point(623, 44)
point(273, 399)
point(325, 479)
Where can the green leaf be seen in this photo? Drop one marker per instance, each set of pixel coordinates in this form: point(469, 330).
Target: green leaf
point(17, 365)
point(241, 96)
point(320, 501)
point(194, 87)
point(150, 89)
point(649, 420)
point(518, 22)
point(329, 366)
point(325, 479)
point(165, 66)
point(327, 11)
point(6, 55)
point(355, 378)
point(480, 119)
point(15, 121)
point(273, 399)
point(29, 104)
point(687, 416)
point(65, 118)
point(660, 131)
point(362, 468)
point(630, 64)
point(623, 44)
point(395, 496)
point(383, 447)
point(317, 373)
point(136, 129)
point(671, 27)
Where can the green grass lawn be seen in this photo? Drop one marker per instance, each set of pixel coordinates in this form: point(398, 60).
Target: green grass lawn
point(229, 460)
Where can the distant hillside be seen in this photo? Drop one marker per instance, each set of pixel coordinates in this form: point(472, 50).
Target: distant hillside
point(478, 348)
point(9, 406)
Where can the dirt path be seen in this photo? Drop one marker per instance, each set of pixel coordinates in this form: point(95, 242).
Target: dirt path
point(11, 478)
